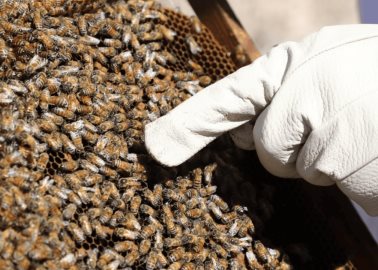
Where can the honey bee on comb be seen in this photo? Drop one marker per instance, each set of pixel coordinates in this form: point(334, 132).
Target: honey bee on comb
point(79, 80)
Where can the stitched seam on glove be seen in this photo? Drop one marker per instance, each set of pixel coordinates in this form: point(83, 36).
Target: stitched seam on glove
point(361, 167)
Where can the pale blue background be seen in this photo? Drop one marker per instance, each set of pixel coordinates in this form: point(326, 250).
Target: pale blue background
point(369, 11)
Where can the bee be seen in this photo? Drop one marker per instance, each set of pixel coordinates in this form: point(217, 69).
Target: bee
point(85, 164)
point(14, 28)
point(110, 31)
point(218, 249)
point(106, 215)
point(189, 266)
point(60, 101)
point(158, 193)
point(193, 45)
point(173, 242)
point(124, 57)
point(85, 224)
point(89, 136)
point(197, 180)
point(19, 197)
point(46, 40)
point(68, 144)
point(148, 210)
point(106, 257)
point(94, 213)
point(167, 33)
point(122, 126)
point(176, 254)
point(116, 218)
point(69, 211)
point(93, 179)
point(76, 232)
point(113, 43)
point(131, 257)
point(41, 251)
point(252, 260)
point(74, 198)
point(42, 161)
point(215, 210)
point(196, 24)
point(127, 234)
point(162, 58)
point(207, 191)
point(96, 160)
point(261, 251)
point(194, 213)
point(35, 63)
point(95, 119)
point(69, 83)
point(159, 244)
point(150, 36)
point(193, 202)
point(144, 246)
point(184, 76)
point(51, 117)
point(152, 260)
point(162, 260)
point(77, 140)
point(219, 202)
point(68, 114)
point(67, 261)
point(92, 258)
point(153, 14)
point(53, 85)
point(173, 195)
point(82, 25)
point(197, 68)
point(53, 140)
point(106, 126)
point(135, 203)
point(229, 217)
point(134, 42)
point(204, 80)
point(175, 265)
point(150, 197)
point(70, 165)
point(109, 172)
point(125, 246)
point(146, 77)
point(148, 231)
point(102, 59)
point(101, 231)
point(37, 19)
point(84, 195)
point(122, 165)
point(84, 110)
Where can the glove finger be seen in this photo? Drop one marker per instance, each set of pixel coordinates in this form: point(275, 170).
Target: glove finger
point(243, 136)
point(362, 187)
point(223, 106)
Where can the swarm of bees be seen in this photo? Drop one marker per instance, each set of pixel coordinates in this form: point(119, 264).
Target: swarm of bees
point(78, 82)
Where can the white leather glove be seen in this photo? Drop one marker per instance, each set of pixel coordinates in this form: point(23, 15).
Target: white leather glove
point(317, 108)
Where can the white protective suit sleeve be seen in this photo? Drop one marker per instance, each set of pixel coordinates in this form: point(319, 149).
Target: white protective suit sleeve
point(315, 109)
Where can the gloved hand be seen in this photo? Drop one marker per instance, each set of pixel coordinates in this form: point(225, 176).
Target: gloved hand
point(317, 108)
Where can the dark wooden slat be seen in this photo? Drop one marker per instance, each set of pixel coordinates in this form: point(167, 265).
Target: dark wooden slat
point(220, 19)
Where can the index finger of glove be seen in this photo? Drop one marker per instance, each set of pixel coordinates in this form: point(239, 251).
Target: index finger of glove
point(223, 106)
